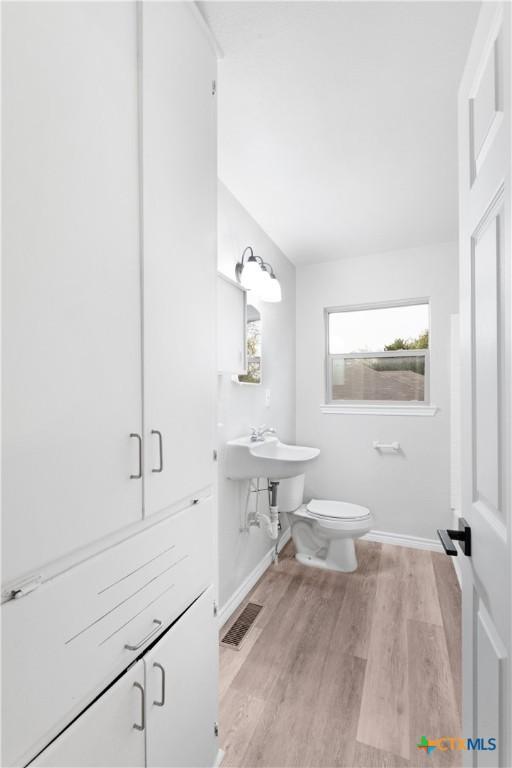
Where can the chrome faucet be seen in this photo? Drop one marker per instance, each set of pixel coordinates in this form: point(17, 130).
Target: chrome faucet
point(258, 434)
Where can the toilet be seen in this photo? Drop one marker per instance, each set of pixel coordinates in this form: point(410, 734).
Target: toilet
point(323, 531)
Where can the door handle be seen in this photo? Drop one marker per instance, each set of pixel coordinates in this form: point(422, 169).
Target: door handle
point(160, 450)
point(162, 670)
point(463, 535)
point(142, 709)
point(144, 639)
point(139, 439)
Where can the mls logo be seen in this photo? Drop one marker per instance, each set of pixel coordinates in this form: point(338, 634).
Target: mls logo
point(426, 745)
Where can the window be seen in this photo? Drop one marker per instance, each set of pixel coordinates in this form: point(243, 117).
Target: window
point(378, 353)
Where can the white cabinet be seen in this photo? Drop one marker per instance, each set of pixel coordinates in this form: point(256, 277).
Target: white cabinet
point(180, 188)
point(109, 246)
point(182, 685)
point(71, 288)
point(76, 310)
point(231, 326)
point(63, 643)
point(109, 733)
point(161, 712)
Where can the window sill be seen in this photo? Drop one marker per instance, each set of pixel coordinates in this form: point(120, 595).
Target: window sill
point(380, 409)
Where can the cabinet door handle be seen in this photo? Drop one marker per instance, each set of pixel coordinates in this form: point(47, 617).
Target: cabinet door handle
point(162, 670)
point(144, 639)
point(142, 709)
point(160, 450)
point(139, 440)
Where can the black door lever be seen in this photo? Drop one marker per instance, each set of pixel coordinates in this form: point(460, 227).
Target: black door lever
point(449, 536)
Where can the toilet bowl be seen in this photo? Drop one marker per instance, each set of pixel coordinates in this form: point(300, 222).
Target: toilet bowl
point(323, 531)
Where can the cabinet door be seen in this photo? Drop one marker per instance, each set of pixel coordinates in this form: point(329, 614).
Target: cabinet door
point(179, 160)
point(109, 733)
point(231, 327)
point(182, 690)
point(71, 286)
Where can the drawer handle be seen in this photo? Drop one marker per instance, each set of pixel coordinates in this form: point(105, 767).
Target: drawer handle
point(162, 670)
point(139, 440)
point(160, 450)
point(142, 709)
point(146, 638)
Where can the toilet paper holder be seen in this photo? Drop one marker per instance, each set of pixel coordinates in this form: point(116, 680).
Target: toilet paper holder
point(395, 446)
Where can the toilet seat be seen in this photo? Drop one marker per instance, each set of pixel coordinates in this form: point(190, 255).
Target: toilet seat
point(337, 511)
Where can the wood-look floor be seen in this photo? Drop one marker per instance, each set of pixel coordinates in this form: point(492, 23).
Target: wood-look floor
point(346, 669)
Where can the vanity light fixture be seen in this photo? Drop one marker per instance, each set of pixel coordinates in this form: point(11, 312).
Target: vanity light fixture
point(248, 272)
point(258, 276)
point(271, 289)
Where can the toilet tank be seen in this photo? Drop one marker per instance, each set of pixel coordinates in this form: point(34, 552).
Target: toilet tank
point(290, 493)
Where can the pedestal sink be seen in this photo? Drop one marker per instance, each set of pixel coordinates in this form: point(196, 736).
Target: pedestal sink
point(266, 458)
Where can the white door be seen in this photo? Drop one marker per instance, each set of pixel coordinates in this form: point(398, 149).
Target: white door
point(109, 733)
point(180, 183)
point(71, 287)
point(486, 348)
point(182, 690)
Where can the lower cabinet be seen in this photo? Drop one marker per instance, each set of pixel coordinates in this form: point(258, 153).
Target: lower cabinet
point(182, 691)
point(161, 712)
point(108, 733)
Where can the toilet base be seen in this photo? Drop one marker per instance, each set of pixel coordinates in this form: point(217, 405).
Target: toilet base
point(341, 556)
point(322, 544)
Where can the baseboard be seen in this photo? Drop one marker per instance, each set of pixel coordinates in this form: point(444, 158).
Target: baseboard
point(248, 583)
point(219, 758)
point(404, 540)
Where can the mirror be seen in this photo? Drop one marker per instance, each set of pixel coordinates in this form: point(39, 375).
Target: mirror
point(253, 341)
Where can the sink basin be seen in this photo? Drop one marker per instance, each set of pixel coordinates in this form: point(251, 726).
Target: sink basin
point(267, 458)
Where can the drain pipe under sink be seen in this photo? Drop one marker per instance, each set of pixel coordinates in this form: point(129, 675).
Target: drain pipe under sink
point(271, 521)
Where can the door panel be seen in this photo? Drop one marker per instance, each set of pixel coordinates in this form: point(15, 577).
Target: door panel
point(489, 663)
point(485, 106)
point(109, 733)
point(182, 672)
point(71, 287)
point(486, 314)
point(179, 159)
point(486, 392)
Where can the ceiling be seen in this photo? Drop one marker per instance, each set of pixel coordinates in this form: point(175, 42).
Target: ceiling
point(337, 120)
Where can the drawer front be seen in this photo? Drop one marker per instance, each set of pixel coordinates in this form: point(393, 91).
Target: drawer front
point(64, 642)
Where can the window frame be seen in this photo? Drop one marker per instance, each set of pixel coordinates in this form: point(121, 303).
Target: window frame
point(385, 405)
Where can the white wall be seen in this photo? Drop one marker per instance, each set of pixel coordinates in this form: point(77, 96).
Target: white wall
point(240, 406)
point(409, 493)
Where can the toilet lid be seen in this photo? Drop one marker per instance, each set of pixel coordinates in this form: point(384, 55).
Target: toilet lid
point(337, 510)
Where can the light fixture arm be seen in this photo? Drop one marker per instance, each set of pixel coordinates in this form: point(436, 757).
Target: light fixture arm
point(269, 268)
